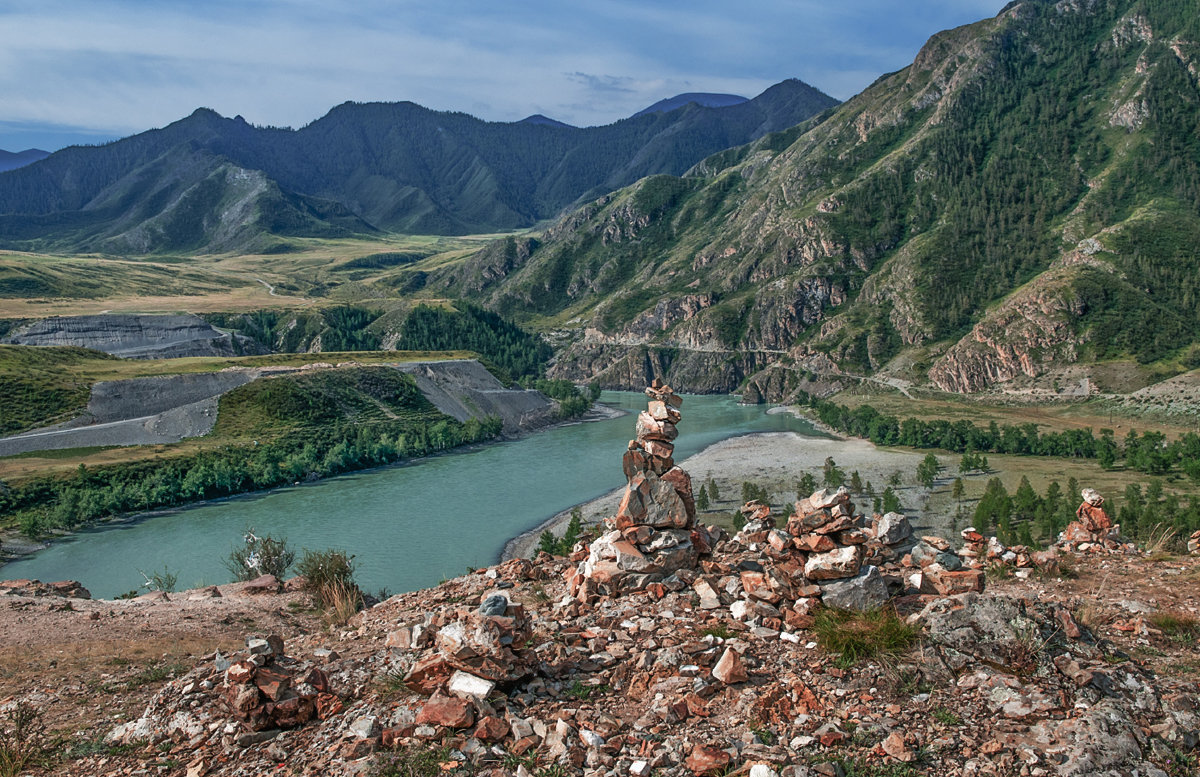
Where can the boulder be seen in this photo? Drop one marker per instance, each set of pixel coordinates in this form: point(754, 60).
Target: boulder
point(834, 564)
point(892, 529)
point(864, 592)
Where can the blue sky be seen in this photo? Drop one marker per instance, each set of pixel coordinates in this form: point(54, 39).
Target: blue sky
point(78, 71)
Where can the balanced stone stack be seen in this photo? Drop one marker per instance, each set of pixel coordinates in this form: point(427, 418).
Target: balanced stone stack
point(934, 568)
point(825, 528)
point(654, 534)
point(818, 555)
point(1092, 529)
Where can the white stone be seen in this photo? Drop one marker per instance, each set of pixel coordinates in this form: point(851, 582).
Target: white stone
point(739, 609)
point(469, 686)
point(639, 768)
point(590, 738)
point(762, 770)
point(365, 727)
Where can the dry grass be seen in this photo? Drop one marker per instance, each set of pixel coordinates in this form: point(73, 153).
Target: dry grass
point(1056, 416)
point(1088, 614)
point(1176, 626)
point(213, 283)
point(1159, 542)
point(340, 601)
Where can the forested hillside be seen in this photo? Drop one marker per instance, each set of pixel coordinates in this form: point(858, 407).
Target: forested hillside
point(1025, 195)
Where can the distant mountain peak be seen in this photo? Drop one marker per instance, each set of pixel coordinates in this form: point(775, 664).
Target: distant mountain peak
point(11, 160)
point(703, 99)
point(538, 118)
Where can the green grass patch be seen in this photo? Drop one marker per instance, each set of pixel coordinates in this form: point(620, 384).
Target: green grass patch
point(858, 635)
point(1176, 626)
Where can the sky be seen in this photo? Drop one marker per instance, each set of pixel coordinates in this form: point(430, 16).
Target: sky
point(89, 71)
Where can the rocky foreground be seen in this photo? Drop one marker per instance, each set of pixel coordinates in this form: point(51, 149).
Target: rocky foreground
point(502, 672)
point(819, 643)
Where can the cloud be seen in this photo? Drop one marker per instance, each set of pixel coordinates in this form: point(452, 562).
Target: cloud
point(122, 66)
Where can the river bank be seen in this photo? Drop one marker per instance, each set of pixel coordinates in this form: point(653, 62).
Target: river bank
point(14, 546)
point(775, 461)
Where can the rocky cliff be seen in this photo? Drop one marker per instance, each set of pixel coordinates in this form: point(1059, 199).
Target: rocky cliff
point(135, 336)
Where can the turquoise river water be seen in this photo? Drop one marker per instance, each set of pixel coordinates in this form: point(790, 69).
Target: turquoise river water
point(408, 526)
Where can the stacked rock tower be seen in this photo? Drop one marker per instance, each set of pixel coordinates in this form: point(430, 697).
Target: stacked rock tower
point(653, 534)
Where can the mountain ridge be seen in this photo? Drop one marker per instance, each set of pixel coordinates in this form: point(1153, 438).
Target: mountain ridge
point(703, 99)
point(886, 234)
point(386, 166)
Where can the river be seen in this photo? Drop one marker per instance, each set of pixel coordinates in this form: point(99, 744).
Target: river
point(409, 526)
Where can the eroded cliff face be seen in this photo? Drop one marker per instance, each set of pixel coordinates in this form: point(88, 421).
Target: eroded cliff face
point(626, 367)
point(1036, 328)
point(136, 336)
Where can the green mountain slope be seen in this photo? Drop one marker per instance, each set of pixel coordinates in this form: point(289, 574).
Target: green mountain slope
point(216, 184)
point(1025, 194)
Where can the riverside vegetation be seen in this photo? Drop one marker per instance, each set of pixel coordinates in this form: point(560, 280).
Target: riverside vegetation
point(1145, 513)
point(272, 431)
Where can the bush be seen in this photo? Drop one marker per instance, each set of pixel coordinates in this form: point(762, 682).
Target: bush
point(329, 577)
point(260, 556)
point(160, 581)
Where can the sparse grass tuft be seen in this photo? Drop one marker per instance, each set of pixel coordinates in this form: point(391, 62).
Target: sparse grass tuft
point(420, 762)
point(858, 635)
point(946, 717)
point(584, 692)
point(998, 570)
point(720, 631)
point(1176, 626)
point(22, 739)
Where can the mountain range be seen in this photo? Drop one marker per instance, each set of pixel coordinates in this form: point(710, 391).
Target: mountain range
point(11, 160)
point(1024, 196)
point(211, 184)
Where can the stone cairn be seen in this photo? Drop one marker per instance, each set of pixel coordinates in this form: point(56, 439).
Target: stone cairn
point(826, 553)
point(1092, 532)
point(1091, 526)
point(654, 533)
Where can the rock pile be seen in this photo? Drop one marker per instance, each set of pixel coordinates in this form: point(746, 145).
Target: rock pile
point(479, 647)
point(1092, 528)
point(70, 589)
point(640, 684)
point(264, 690)
point(829, 554)
point(654, 533)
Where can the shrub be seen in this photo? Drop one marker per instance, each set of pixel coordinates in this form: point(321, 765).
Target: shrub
point(260, 556)
point(329, 579)
point(22, 740)
point(160, 581)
